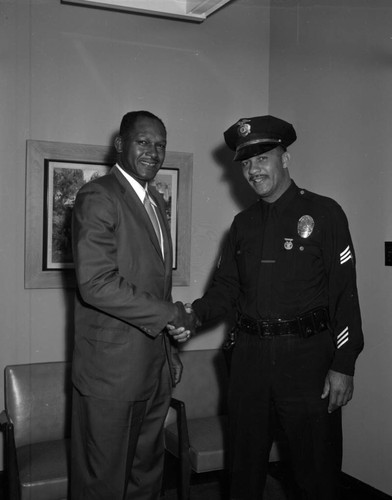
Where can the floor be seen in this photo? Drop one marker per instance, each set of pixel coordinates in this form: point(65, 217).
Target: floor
point(214, 490)
point(2, 487)
point(212, 487)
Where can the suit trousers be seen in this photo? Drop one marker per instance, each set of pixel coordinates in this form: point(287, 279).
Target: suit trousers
point(279, 381)
point(117, 447)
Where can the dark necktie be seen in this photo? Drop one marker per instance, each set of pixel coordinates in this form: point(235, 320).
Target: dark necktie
point(267, 269)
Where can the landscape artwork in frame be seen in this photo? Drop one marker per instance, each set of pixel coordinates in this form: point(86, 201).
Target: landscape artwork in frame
point(63, 182)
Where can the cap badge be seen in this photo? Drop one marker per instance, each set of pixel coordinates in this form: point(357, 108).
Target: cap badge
point(244, 128)
point(305, 226)
point(288, 243)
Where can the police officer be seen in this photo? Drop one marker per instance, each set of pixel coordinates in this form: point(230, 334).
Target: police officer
point(288, 269)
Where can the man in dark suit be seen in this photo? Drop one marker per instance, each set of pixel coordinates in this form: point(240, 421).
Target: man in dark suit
point(124, 366)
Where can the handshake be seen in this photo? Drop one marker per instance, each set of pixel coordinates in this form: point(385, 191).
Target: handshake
point(184, 322)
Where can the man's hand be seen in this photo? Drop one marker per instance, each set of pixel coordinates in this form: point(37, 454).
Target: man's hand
point(185, 327)
point(339, 387)
point(177, 367)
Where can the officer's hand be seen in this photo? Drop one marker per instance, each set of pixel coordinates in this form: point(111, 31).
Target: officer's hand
point(339, 387)
point(183, 327)
point(179, 334)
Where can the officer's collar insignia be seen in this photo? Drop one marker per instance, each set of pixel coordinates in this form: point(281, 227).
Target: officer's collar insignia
point(243, 128)
point(305, 226)
point(288, 243)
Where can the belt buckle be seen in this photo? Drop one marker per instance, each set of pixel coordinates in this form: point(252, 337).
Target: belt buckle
point(263, 329)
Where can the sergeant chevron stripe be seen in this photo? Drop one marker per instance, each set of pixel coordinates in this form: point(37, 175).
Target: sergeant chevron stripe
point(342, 337)
point(345, 255)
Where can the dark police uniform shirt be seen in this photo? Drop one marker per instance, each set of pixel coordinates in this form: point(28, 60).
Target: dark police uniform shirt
point(275, 265)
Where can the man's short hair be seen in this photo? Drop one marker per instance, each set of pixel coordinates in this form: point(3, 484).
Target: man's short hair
point(129, 119)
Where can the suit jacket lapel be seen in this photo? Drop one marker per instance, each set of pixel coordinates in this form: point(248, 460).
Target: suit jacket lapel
point(132, 199)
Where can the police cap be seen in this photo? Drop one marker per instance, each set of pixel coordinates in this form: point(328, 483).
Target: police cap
point(253, 136)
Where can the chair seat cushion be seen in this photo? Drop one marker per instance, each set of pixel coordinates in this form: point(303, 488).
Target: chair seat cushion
point(44, 469)
point(207, 438)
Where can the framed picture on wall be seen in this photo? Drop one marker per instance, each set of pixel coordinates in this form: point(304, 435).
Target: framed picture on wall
point(63, 180)
point(54, 174)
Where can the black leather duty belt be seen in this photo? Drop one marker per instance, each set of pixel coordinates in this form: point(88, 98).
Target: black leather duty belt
point(303, 326)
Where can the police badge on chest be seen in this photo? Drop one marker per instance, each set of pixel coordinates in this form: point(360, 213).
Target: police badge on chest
point(305, 226)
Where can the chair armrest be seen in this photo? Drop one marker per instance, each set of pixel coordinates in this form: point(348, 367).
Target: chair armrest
point(3, 419)
point(10, 459)
point(7, 427)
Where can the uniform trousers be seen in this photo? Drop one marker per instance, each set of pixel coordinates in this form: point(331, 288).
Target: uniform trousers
point(279, 380)
point(117, 447)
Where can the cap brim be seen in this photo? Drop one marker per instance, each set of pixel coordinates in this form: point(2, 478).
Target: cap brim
point(254, 150)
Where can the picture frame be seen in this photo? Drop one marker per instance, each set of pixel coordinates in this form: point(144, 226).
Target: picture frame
point(55, 171)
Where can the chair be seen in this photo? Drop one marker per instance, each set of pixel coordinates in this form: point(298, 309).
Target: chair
point(196, 426)
point(36, 425)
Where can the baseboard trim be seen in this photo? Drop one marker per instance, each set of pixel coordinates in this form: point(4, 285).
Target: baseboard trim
point(363, 490)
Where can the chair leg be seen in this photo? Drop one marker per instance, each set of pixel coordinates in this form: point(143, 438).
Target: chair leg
point(183, 449)
point(185, 479)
